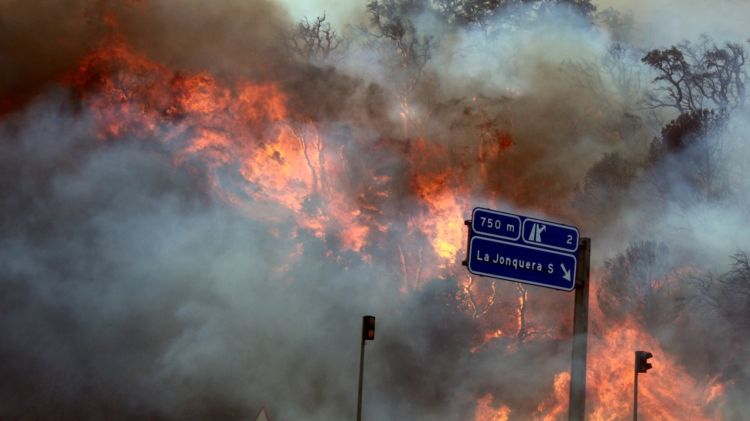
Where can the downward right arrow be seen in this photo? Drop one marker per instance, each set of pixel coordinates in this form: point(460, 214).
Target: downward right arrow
point(566, 272)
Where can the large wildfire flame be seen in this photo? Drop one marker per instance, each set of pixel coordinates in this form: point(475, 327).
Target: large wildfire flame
point(244, 129)
point(277, 165)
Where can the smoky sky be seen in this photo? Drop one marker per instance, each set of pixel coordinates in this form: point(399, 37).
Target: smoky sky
point(129, 289)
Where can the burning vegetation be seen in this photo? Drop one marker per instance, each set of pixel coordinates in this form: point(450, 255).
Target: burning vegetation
point(200, 199)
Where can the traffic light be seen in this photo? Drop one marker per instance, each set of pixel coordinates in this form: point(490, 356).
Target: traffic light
point(368, 328)
point(641, 361)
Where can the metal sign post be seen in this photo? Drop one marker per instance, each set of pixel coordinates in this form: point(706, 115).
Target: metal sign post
point(577, 405)
point(543, 253)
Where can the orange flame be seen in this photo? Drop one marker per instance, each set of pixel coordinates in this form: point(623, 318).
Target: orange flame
point(243, 126)
point(485, 410)
point(555, 407)
point(666, 392)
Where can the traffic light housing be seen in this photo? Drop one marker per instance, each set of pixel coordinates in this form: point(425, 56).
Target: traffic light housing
point(368, 328)
point(641, 361)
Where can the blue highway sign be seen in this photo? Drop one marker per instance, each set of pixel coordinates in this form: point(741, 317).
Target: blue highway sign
point(496, 224)
point(521, 263)
point(522, 249)
point(550, 234)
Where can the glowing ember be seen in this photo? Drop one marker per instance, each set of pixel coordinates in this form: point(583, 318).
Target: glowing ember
point(486, 338)
point(486, 411)
point(556, 406)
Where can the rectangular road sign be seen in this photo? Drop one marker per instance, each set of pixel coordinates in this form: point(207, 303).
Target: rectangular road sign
point(521, 263)
point(522, 249)
point(550, 234)
point(532, 231)
point(496, 224)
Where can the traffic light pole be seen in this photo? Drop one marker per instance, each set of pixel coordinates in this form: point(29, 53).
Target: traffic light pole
point(641, 366)
point(635, 392)
point(361, 372)
point(577, 406)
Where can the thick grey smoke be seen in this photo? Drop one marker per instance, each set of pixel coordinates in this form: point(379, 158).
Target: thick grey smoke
point(129, 289)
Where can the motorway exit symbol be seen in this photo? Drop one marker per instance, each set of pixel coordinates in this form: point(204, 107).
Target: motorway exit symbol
point(517, 248)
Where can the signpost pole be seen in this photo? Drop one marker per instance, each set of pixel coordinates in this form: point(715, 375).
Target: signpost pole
point(577, 405)
point(544, 253)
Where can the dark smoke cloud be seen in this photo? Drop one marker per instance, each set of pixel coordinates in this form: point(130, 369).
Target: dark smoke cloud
point(228, 37)
point(37, 44)
point(40, 41)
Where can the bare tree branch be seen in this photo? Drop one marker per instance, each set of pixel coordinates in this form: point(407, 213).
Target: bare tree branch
point(692, 77)
point(315, 41)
